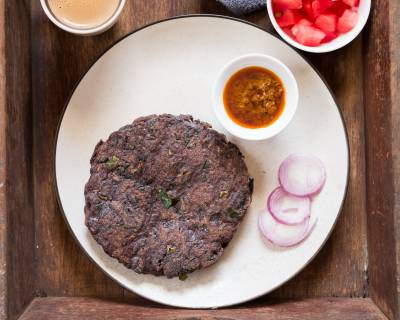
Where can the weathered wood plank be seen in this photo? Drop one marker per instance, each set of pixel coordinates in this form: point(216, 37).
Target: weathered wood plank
point(394, 40)
point(96, 309)
point(3, 204)
point(16, 213)
point(382, 109)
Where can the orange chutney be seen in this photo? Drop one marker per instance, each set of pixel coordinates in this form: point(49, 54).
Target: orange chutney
point(254, 97)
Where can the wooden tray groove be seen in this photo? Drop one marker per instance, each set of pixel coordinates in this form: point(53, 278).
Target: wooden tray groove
point(310, 309)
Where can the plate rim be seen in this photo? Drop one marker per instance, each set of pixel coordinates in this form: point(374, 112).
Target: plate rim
point(108, 48)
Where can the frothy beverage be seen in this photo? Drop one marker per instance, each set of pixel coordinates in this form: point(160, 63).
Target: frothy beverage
point(83, 13)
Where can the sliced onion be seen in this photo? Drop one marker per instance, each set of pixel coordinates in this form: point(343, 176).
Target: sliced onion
point(284, 235)
point(287, 208)
point(302, 175)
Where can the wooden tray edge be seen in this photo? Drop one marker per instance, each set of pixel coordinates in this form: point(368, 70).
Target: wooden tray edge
point(17, 236)
point(3, 218)
point(58, 308)
point(382, 119)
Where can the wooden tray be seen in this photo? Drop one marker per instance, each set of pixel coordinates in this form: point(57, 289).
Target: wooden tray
point(43, 273)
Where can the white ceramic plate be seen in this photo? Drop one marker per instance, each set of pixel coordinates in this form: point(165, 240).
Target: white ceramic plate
point(170, 67)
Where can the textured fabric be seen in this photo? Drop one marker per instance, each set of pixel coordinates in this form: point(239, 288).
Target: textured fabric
point(241, 7)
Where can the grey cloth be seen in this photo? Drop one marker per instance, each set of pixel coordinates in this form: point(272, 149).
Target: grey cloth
point(242, 7)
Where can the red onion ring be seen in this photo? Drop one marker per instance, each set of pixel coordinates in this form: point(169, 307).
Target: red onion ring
point(295, 212)
point(302, 175)
point(284, 235)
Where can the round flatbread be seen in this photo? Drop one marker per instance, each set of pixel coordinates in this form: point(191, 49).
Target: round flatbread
point(166, 194)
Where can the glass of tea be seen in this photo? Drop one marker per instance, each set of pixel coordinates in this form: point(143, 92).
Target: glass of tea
point(83, 17)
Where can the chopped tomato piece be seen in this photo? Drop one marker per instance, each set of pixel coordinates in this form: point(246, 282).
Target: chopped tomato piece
point(338, 7)
point(329, 37)
point(305, 22)
point(288, 31)
point(289, 18)
point(309, 35)
point(307, 8)
point(326, 22)
point(288, 4)
point(320, 6)
point(352, 3)
point(302, 22)
point(347, 21)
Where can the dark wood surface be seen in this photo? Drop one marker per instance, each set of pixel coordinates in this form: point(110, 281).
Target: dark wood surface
point(310, 309)
point(3, 206)
point(16, 212)
point(38, 256)
point(382, 105)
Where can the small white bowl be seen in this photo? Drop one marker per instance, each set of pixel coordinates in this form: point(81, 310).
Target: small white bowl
point(341, 41)
point(84, 31)
point(291, 96)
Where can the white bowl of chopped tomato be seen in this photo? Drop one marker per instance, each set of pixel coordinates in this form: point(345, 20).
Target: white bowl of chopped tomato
point(318, 25)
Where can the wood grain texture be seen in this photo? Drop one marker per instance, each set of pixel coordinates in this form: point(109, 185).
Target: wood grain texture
point(382, 44)
point(3, 197)
point(394, 49)
point(60, 59)
point(18, 215)
point(96, 309)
